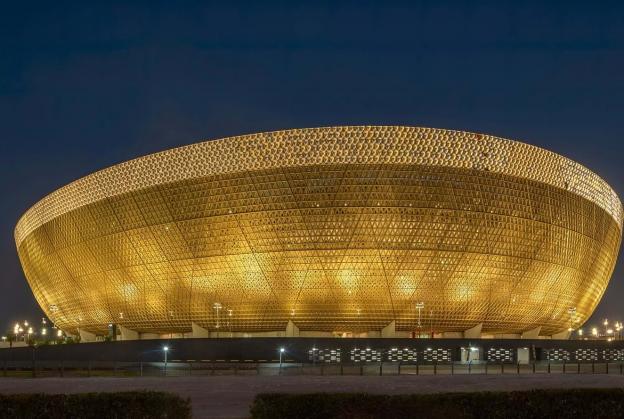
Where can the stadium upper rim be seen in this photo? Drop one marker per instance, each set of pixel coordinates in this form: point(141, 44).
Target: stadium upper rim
point(296, 147)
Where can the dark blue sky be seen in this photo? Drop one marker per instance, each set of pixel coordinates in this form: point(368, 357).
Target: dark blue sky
point(84, 86)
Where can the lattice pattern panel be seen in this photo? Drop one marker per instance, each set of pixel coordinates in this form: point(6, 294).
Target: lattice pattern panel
point(325, 355)
point(500, 355)
point(437, 355)
point(365, 355)
point(402, 355)
point(612, 355)
point(326, 146)
point(558, 354)
point(336, 229)
point(586, 355)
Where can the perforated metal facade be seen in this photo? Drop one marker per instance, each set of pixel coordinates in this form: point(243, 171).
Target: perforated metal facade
point(336, 229)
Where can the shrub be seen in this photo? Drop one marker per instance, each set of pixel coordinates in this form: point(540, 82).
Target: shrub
point(569, 403)
point(132, 404)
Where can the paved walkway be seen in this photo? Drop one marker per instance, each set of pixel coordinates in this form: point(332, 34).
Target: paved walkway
point(231, 396)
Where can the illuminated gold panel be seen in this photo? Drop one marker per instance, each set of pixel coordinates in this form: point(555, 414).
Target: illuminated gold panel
point(336, 229)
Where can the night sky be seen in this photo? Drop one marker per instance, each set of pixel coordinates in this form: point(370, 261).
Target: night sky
point(83, 87)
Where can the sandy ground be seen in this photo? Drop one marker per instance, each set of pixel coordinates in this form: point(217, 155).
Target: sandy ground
point(231, 396)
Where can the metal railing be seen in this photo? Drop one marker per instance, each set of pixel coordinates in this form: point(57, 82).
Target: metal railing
point(205, 367)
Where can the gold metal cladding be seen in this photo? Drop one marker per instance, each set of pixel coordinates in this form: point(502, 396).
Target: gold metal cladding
point(326, 146)
point(336, 229)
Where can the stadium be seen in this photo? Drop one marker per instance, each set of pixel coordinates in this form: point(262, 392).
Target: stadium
point(365, 231)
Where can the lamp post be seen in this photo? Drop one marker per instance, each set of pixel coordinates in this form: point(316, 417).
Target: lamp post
point(165, 351)
point(281, 352)
point(431, 321)
point(217, 307)
point(419, 306)
point(571, 312)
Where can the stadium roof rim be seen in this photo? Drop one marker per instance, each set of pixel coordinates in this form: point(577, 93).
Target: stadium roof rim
point(243, 152)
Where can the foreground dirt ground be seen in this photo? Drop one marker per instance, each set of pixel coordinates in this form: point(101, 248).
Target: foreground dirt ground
point(231, 396)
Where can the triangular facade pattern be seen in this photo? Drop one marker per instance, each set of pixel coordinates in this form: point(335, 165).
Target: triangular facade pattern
point(337, 229)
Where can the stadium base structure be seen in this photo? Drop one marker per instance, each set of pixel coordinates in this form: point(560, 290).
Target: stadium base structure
point(291, 330)
point(331, 351)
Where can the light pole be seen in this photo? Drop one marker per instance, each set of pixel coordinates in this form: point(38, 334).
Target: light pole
point(431, 321)
point(281, 352)
point(419, 305)
point(217, 306)
point(165, 350)
point(571, 312)
point(595, 332)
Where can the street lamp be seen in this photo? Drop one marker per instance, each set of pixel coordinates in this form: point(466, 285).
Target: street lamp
point(571, 312)
point(419, 306)
point(281, 352)
point(165, 350)
point(217, 306)
point(594, 332)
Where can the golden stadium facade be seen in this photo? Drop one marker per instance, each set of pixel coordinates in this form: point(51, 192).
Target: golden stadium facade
point(341, 229)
